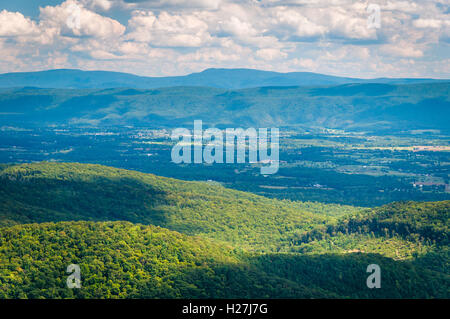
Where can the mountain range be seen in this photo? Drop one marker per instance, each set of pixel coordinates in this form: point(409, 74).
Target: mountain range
point(372, 107)
point(217, 78)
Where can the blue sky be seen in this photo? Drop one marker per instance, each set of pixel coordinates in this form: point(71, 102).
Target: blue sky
point(174, 37)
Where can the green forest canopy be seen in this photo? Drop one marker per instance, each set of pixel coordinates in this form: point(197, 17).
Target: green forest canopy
point(218, 242)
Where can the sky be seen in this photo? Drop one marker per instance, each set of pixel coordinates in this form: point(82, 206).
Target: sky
point(376, 38)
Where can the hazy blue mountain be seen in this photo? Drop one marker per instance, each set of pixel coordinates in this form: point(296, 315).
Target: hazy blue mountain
point(218, 78)
point(368, 107)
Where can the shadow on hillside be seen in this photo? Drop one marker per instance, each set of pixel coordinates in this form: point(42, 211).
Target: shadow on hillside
point(307, 276)
point(99, 199)
point(346, 275)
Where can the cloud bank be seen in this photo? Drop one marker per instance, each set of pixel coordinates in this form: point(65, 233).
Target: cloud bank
point(173, 37)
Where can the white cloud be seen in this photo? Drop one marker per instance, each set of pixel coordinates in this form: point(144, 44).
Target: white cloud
point(210, 55)
point(308, 64)
point(294, 23)
point(72, 19)
point(440, 28)
point(104, 5)
point(236, 27)
point(172, 4)
point(271, 54)
point(168, 30)
point(403, 50)
point(180, 36)
point(402, 6)
point(15, 24)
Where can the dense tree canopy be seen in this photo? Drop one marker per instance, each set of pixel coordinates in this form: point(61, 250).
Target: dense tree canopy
point(216, 242)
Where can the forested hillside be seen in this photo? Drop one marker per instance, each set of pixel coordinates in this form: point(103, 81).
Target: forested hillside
point(373, 107)
point(216, 242)
point(119, 259)
point(398, 230)
point(122, 260)
point(55, 192)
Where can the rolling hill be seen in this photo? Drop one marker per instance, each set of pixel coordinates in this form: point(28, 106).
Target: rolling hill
point(215, 243)
point(52, 192)
point(123, 260)
point(44, 192)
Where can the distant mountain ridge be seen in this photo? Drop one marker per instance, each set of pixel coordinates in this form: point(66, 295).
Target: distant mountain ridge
point(373, 107)
point(216, 78)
